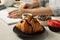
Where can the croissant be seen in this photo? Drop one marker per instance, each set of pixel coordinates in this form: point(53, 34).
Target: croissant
point(29, 25)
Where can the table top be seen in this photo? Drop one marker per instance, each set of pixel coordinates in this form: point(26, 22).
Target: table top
point(6, 33)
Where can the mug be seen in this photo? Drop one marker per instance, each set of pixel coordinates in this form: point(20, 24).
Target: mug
point(7, 2)
point(25, 15)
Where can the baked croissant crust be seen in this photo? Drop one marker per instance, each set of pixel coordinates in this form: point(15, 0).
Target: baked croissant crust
point(29, 25)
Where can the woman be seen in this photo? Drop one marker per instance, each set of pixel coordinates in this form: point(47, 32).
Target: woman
point(52, 9)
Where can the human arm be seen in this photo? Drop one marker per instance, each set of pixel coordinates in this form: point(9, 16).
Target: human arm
point(36, 11)
point(39, 11)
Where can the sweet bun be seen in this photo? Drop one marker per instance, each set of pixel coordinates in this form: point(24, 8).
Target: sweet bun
point(29, 25)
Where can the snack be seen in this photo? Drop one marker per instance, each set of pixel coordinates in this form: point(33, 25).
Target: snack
point(29, 25)
point(44, 17)
point(54, 25)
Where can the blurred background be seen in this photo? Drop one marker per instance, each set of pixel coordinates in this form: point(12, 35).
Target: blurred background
point(16, 0)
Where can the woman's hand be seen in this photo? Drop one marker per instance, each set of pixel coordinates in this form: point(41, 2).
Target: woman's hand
point(25, 6)
point(28, 6)
point(15, 14)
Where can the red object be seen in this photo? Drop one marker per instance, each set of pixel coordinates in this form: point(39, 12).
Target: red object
point(53, 23)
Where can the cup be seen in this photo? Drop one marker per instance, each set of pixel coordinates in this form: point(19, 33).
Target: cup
point(25, 15)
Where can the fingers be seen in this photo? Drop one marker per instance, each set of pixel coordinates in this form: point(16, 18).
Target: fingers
point(27, 6)
point(12, 16)
point(12, 12)
point(15, 14)
point(23, 5)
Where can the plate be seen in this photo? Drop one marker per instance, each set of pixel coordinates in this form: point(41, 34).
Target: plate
point(21, 34)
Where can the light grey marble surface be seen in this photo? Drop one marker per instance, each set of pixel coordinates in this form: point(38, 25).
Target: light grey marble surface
point(6, 33)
